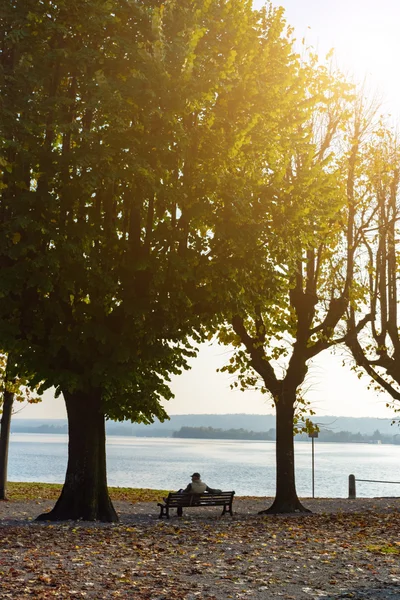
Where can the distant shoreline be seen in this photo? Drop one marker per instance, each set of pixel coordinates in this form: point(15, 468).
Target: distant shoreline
point(230, 426)
point(223, 436)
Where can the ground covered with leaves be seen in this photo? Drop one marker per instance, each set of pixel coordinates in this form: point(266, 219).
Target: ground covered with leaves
point(335, 554)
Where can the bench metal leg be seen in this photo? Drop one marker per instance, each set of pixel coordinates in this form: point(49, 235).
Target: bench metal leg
point(164, 510)
point(227, 508)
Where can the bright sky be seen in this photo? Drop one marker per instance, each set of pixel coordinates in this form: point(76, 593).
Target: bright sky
point(365, 36)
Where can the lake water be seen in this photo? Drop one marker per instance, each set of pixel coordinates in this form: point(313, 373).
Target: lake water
point(248, 467)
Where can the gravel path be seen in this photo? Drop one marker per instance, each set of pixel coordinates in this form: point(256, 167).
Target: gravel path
point(344, 549)
point(25, 512)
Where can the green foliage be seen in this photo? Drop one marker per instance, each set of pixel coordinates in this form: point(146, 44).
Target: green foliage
point(135, 138)
point(312, 244)
point(10, 382)
point(374, 341)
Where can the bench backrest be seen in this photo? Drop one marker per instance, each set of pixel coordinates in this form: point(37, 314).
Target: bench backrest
point(176, 499)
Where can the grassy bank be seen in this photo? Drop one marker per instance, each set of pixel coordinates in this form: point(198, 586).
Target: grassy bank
point(51, 491)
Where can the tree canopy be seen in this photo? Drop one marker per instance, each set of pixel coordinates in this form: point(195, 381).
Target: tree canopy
point(129, 197)
point(314, 230)
point(373, 323)
point(167, 168)
point(125, 133)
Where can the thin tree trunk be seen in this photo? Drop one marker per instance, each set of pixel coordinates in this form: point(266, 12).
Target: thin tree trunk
point(286, 499)
point(84, 494)
point(8, 401)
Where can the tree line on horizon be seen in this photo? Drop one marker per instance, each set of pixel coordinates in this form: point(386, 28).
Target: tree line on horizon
point(213, 433)
point(324, 435)
point(171, 173)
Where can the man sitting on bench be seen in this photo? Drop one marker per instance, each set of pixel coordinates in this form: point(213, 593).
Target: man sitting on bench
point(197, 486)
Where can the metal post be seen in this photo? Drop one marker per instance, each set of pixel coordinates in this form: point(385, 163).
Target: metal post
point(352, 487)
point(312, 435)
point(312, 452)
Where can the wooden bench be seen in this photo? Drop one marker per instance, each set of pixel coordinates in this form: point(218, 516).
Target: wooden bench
point(180, 500)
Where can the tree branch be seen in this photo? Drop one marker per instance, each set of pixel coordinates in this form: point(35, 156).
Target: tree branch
point(257, 356)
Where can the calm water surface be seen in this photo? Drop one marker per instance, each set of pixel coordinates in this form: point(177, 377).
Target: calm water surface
point(248, 467)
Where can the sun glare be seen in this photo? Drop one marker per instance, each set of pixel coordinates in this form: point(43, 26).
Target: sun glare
point(365, 37)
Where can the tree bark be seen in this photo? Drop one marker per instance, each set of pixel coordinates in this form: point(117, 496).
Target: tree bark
point(286, 499)
point(84, 494)
point(8, 401)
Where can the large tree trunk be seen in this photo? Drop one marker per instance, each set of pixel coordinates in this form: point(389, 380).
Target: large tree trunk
point(84, 494)
point(8, 401)
point(286, 500)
